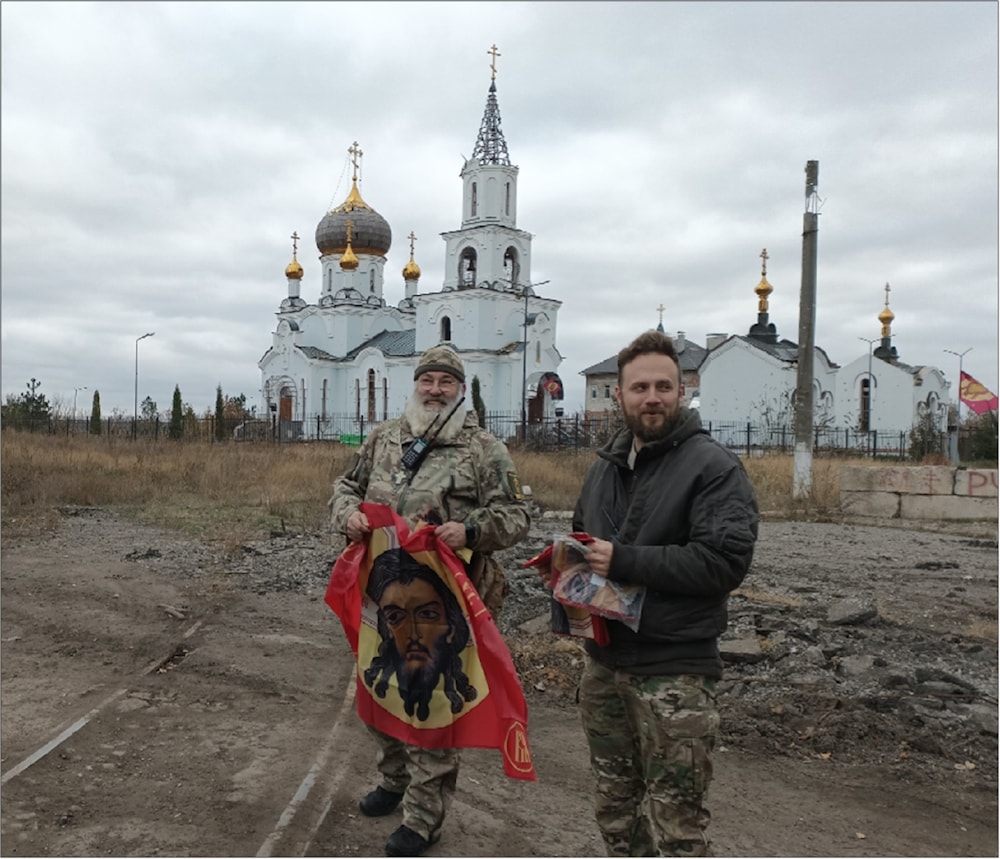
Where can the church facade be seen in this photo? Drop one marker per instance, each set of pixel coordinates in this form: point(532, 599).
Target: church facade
point(345, 359)
point(752, 379)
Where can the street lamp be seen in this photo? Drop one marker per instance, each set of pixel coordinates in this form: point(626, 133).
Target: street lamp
point(871, 387)
point(960, 355)
point(84, 388)
point(526, 290)
point(135, 414)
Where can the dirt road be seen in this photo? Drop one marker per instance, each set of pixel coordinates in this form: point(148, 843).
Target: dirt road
point(161, 699)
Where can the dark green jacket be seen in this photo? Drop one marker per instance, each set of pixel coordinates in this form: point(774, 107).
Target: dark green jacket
point(683, 524)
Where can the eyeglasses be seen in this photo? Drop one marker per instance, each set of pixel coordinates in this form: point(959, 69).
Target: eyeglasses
point(443, 381)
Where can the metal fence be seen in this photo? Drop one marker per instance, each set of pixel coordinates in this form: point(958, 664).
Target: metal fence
point(571, 432)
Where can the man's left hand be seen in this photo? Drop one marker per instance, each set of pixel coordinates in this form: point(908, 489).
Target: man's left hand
point(452, 534)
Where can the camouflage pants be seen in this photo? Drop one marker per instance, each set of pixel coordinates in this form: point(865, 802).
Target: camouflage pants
point(426, 778)
point(651, 739)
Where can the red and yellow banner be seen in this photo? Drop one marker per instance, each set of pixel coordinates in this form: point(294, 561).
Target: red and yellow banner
point(976, 395)
point(432, 668)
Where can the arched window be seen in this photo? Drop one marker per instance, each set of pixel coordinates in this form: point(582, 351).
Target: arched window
point(475, 201)
point(865, 405)
point(511, 266)
point(371, 281)
point(507, 201)
point(445, 329)
point(467, 269)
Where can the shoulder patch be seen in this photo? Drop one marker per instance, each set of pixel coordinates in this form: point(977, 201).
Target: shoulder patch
point(515, 485)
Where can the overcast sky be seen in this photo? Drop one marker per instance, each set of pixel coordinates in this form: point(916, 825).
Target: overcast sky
point(157, 157)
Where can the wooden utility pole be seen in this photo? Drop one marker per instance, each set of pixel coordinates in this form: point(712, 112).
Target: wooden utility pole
point(802, 470)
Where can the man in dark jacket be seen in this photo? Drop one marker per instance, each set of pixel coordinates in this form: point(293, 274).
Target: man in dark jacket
point(674, 511)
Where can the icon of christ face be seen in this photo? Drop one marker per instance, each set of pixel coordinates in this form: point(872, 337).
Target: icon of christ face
point(423, 632)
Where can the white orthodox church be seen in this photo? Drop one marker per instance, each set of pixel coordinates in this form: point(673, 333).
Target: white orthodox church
point(345, 358)
point(752, 379)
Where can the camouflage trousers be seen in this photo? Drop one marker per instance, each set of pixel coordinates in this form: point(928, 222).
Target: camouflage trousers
point(651, 739)
point(426, 778)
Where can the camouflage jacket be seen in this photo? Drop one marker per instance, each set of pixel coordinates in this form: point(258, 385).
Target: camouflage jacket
point(469, 479)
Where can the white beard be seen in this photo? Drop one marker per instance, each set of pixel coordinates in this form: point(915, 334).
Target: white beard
point(420, 417)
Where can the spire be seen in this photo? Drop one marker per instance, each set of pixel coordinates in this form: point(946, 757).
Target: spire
point(294, 269)
point(349, 261)
point(886, 316)
point(491, 148)
point(660, 309)
point(885, 349)
point(411, 271)
point(763, 330)
point(763, 289)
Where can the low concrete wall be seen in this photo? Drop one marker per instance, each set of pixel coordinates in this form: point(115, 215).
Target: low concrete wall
point(919, 492)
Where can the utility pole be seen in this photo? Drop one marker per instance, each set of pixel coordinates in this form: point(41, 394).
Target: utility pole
point(960, 356)
point(802, 468)
point(135, 412)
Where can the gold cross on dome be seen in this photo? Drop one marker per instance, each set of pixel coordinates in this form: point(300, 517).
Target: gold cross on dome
point(412, 239)
point(887, 294)
point(764, 258)
point(355, 153)
point(493, 63)
point(295, 242)
point(661, 308)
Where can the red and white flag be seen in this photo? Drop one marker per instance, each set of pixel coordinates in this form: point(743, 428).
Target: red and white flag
point(976, 395)
point(433, 670)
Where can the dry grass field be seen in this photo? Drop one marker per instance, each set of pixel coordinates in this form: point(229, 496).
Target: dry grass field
point(230, 492)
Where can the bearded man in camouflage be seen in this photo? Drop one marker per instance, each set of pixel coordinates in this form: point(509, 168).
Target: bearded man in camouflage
point(466, 486)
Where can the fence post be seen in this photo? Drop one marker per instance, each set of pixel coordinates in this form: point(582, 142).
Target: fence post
point(361, 435)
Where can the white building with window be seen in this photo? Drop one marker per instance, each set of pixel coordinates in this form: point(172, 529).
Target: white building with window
point(347, 357)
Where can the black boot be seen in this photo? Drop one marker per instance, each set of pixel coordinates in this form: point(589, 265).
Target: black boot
point(405, 842)
point(379, 802)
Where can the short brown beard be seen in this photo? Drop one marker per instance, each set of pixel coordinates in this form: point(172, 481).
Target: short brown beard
point(634, 423)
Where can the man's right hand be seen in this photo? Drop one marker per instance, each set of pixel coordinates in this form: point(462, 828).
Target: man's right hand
point(358, 527)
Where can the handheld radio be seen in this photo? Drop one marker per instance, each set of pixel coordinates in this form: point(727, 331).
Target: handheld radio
point(416, 452)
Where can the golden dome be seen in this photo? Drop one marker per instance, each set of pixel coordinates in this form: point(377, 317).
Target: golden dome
point(348, 262)
point(886, 316)
point(763, 289)
point(294, 271)
point(411, 271)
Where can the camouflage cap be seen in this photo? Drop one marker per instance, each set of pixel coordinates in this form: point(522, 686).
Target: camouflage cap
point(440, 359)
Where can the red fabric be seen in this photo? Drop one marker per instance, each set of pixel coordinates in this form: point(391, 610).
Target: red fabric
point(497, 717)
point(976, 395)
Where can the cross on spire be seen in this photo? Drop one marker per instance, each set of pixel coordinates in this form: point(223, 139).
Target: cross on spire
point(764, 258)
point(887, 293)
point(493, 62)
point(412, 239)
point(661, 308)
point(355, 153)
point(295, 243)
